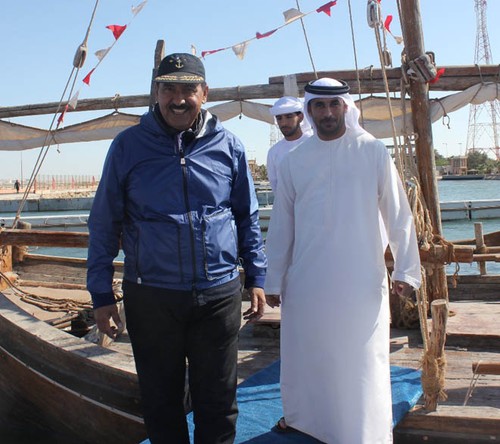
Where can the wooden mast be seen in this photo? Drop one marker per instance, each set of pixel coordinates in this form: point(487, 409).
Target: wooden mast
point(159, 54)
point(419, 93)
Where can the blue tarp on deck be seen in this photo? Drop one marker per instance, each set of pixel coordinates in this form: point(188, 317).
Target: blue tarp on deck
point(259, 403)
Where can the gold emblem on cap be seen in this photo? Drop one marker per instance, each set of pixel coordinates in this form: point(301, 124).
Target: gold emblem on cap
point(178, 63)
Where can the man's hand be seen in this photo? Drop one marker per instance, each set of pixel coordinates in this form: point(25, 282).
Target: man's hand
point(273, 300)
point(257, 305)
point(102, 315)
point(402, 288)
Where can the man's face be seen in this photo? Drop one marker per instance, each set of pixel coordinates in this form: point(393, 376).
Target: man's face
point(328, 116)
point(289, 125)
point(180, 103)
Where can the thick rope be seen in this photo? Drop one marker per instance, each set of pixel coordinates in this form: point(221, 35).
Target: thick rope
point(45, 302)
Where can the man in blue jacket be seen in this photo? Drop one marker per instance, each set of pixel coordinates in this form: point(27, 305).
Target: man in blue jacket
point(177, 194)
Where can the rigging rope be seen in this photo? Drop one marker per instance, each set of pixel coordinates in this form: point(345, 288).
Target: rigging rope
point(78, 62)
point(360, 102)
point(307, 42)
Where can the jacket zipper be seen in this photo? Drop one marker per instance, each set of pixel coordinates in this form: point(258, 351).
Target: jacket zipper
point(137, 252)
point(190, 217)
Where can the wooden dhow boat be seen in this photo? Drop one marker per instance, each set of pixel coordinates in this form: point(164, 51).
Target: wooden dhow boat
point(89, 392)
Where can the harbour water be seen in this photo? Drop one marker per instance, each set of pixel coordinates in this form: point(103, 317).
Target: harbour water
point(455, 190)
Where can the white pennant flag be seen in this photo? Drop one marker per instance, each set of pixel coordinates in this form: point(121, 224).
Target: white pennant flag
point(193, 49)
point(138, 8)
point(240, 50)
point(74, 100)
point(292, 14)
point(102, 53)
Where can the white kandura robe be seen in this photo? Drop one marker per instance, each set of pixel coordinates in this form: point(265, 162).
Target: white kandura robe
point(326, 259)
point(276, 154)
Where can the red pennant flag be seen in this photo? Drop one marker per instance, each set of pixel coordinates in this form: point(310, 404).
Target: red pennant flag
point(266, 34)
point(388, 22)
point(117, 30)
point(440, 72)
point(87, 77)
point(61, 117)
point(204, 53)
point(326, 7)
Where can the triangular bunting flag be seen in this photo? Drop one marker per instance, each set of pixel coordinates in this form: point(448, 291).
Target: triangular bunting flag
point(87, 77)
point(258, 35)
point(138, 8)
point(102, 53)
point(240, 50)
point(440, 72)
point(213, 51)
point(326, 8)
point(387, 23)
point(292, 14)
point(193, 49)
point(74, 100)
point(117, 30)
point(61, 117)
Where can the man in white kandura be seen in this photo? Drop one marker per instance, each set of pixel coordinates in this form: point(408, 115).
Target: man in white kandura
point(289, 115)
point(326, 260)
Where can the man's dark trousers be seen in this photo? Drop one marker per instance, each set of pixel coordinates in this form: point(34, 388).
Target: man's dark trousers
point(165, 328)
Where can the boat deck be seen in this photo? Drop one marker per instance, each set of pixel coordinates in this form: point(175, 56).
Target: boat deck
point(473, 335)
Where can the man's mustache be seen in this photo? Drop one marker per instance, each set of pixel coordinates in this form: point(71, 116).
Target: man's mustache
point(179, 107)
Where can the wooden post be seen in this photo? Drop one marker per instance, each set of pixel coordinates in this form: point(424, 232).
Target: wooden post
point(159, 54)
point(414, 48)
point(19, 251)
point(480, 246)
point(433, 369)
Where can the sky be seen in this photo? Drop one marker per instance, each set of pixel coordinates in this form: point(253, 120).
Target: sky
point(39, 40)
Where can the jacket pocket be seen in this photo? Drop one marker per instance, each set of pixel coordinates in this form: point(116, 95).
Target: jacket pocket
point(155, 253)
point(220, 244)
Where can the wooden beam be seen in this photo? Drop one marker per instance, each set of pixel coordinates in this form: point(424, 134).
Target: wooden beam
point(486, 368)
point(43, 238)
point(455, 78)
point(159, 54)
point(473, 421)
point(251, 92)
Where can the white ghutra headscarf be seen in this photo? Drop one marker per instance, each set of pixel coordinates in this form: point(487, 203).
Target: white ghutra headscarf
point(326, 88)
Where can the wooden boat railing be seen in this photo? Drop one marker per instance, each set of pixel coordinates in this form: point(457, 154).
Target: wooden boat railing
point(482, 252)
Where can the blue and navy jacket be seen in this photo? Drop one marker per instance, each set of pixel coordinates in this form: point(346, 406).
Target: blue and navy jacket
point(183, 209)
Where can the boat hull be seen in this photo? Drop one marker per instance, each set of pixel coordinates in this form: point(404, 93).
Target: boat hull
point(63, 385)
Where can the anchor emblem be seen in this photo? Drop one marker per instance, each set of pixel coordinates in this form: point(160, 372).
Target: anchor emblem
point(179, 64)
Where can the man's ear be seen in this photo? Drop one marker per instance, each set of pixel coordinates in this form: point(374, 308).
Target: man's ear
point(205, 93)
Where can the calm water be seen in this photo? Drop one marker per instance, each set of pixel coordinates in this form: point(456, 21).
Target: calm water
point(448, 191)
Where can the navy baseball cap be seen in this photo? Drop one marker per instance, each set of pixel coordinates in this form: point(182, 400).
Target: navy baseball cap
point(181, 68)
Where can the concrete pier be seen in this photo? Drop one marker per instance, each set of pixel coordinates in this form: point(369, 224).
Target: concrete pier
point(67, 201)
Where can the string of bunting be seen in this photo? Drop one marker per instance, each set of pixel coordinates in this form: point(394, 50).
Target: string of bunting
point(291, 15)
point(117, 31)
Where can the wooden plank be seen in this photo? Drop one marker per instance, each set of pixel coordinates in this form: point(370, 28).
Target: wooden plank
point(451, 76)
point(486, 368)
point(12, 236)
point(455, 78)
point(455, 419)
